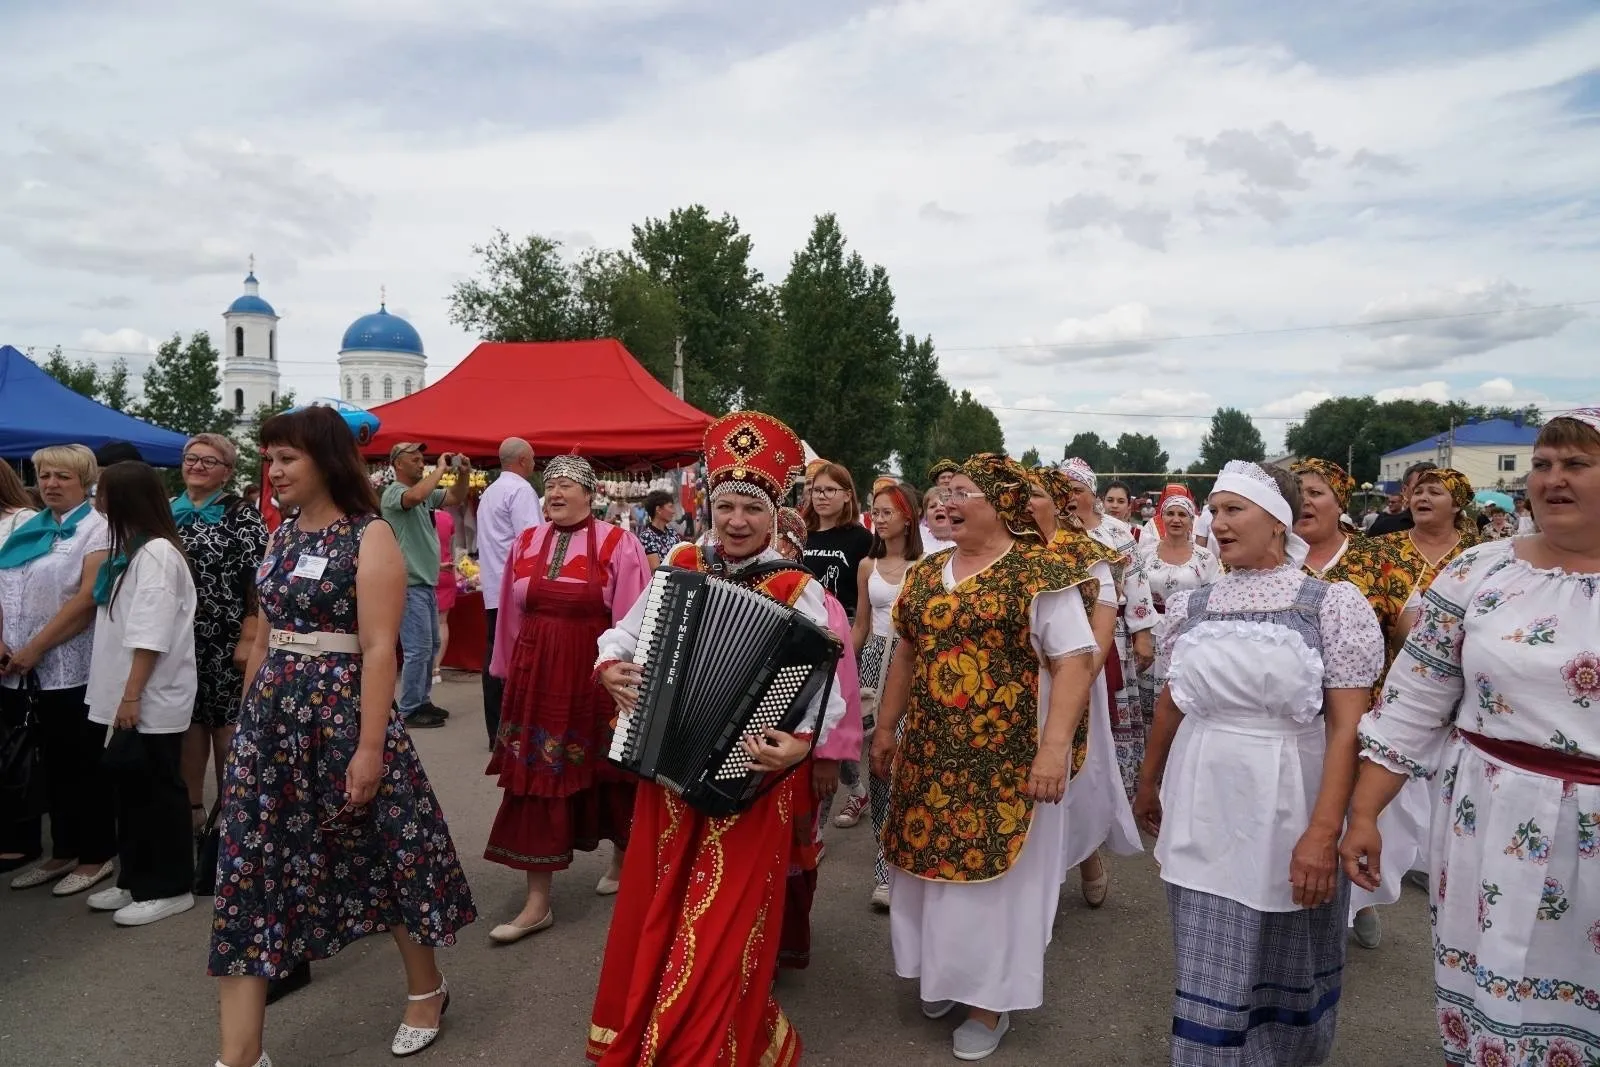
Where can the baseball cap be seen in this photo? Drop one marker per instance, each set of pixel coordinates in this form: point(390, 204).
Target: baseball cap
point(406, 446)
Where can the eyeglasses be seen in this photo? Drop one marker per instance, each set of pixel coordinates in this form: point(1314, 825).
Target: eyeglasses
point(825, 491)
point(950, 496)
point(205, 463)
point(883, 514)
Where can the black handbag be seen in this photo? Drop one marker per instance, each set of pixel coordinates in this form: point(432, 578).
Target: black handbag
point(206, 840)
point(22, 791)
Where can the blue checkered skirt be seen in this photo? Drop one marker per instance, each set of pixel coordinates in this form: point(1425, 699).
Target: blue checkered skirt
point(1255, 989)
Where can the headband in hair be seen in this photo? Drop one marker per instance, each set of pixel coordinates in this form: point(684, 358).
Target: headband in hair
point(1590, 417)
point(1338, 481)
point(792, 528)
point(1248, 480)
point(573, 468)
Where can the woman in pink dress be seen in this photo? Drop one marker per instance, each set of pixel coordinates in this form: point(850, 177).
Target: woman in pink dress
point(567, 581)
point(445, 525)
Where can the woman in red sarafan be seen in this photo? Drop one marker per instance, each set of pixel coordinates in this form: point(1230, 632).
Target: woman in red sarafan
point(687, 977)
point(566, 583)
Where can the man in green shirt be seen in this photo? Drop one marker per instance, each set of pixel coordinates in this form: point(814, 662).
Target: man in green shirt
point(408, 504)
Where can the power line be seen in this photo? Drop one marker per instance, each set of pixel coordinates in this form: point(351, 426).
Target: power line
point(1365, 325)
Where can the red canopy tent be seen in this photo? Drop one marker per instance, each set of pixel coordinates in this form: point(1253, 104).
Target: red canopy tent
point(589, 397)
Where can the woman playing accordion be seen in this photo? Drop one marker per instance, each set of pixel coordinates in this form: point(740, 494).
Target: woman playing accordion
point(693, 947)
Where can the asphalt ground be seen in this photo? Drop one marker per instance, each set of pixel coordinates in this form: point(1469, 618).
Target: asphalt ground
point(75, 989)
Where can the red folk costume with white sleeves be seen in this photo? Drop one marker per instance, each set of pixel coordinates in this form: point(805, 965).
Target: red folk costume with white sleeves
point(562, 588)
point(693, 948)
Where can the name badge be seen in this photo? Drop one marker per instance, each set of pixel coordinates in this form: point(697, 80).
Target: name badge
point(311, 567)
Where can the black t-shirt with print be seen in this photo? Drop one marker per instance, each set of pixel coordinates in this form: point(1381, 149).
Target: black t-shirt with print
point(834, 556)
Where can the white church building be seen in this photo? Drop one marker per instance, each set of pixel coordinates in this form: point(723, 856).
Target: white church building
point(381, 357)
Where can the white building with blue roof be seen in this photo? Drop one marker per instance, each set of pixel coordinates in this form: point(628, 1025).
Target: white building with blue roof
point(381, 359)
point(249, 348)
point(1492, 453)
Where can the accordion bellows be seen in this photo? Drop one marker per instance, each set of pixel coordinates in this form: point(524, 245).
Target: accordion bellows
point(719, 662)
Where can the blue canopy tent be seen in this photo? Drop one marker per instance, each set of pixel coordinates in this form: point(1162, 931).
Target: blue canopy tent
point(37, 411)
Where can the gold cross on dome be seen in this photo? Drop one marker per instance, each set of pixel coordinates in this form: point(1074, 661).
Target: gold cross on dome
point(252, 262)
point(383, 296)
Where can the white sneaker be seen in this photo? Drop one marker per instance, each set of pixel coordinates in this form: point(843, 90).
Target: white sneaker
point(880, 898)
point(144, 912)
point(975, 1041)
point(112, 899)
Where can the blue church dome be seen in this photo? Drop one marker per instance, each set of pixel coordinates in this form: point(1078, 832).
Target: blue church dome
point(250, 303)
point(381, 332)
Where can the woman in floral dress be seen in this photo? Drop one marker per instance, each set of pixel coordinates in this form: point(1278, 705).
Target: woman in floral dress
point(1497, 696)
point(330, 830)
point(1442, 529)
point(992, 673)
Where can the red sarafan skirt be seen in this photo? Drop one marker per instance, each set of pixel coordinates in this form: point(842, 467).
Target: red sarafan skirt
point(689, 963)
point(560, 795)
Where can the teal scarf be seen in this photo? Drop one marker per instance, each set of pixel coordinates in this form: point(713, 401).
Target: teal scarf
point(37, 536)
point(186, 513)
point(111, 571)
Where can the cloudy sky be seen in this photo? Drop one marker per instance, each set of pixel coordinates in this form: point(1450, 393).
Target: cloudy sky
point(1057, 189)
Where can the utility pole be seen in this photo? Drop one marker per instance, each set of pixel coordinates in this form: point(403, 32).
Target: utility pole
point(677, 368)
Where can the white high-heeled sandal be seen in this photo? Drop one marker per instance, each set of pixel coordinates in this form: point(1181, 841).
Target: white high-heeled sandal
point(410, 1040)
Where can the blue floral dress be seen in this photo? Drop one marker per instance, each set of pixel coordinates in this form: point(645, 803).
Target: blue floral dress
point(298, 876)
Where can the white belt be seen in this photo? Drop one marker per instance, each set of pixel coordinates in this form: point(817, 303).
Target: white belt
point(314, 644)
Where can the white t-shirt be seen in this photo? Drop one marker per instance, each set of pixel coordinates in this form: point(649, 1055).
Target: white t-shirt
point(30, 596)
point(154, 610)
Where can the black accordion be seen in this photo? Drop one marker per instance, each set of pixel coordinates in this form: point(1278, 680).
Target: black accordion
point(719, 661)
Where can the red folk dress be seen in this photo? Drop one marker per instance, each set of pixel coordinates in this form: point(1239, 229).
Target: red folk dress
point(559, 793)
point(689, 963)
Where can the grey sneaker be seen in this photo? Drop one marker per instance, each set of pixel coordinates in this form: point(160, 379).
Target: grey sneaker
point(937, 1009)
point(975, 1041)
point(1368, 927)
point(1418, 879)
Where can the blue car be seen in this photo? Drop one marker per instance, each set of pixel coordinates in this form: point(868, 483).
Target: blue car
point(362, 422)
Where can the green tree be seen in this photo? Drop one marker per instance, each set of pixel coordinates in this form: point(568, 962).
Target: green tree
point(524, 293)
point(181, 387)
point(969, 429)
point(1089, 447)
point(113, 390)
point(836, 377)
point(248, 471)
point(926, 408)
point(1142, 454)
point(725, 311)
point(1357, 431)
point(615, 297)
point(1030, 458)
point(1232, 436)
point(82, 377)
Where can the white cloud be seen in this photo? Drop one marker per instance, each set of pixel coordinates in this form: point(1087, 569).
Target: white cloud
point(1437, 391)
point(1274, 157)
point(1431, 328)
point(1293, 406)
point(1125, 330)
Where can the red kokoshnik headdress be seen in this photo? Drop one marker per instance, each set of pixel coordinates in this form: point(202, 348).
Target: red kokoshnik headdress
point(754, 454)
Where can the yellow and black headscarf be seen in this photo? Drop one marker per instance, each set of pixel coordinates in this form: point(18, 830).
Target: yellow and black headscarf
point(1338, 480)
point(1460, 489)
point(1006, 484)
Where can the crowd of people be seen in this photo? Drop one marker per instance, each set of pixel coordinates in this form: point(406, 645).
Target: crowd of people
point(1299, 708)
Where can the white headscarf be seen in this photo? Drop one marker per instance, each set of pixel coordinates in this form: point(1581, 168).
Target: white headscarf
point(1256, 485)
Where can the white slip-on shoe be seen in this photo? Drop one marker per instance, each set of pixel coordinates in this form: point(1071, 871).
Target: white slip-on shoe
point(880, 898)
point(937, 1009)
point(975, 1041)
point(607, 886)
point(264, 1061)
point(410, 1040)
point(77, 883)
point(41, 875)
point(145, 912)
point(112, 899)
point(1368, 928)
point(511, 933)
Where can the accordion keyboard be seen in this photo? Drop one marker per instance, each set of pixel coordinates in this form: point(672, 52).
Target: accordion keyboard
point(785, 688)
point(625, 741)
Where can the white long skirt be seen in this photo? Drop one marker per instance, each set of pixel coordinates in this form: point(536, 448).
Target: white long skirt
point(1404, 826)
point(1097, 809)
point(982, 943)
